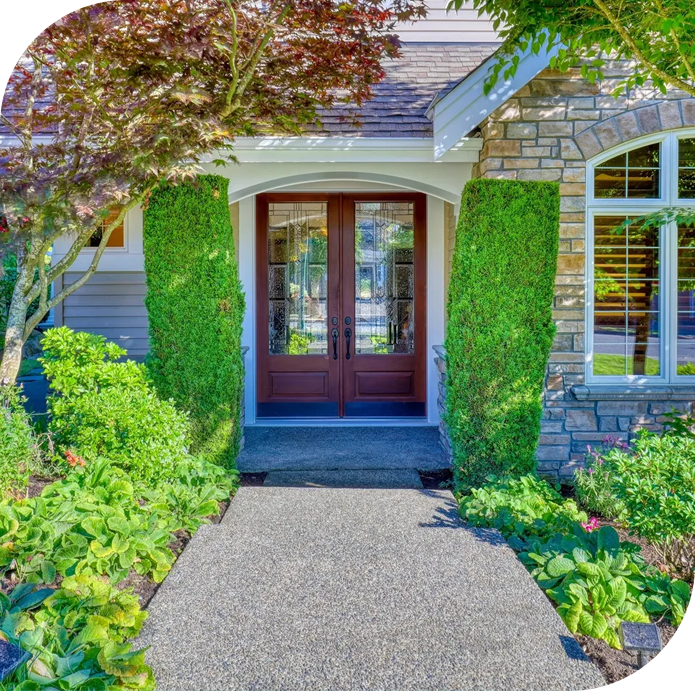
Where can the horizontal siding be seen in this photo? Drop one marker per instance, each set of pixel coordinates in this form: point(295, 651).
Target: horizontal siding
point(111, 304)
point(464, 26)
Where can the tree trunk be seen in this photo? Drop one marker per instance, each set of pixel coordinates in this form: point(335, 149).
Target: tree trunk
point(16, 321)
point(14, 341)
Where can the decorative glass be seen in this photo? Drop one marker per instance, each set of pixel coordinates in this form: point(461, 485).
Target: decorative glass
point(384, 278)
point(632, 175)
point(686, 168)
point(297, 278)
point(626, 299)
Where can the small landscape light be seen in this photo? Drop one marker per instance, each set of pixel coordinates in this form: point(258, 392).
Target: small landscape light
point(643, 639)
point(11, 657)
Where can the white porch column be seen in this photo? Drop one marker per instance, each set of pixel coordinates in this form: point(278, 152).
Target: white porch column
point(436, 298)
point(247, 274)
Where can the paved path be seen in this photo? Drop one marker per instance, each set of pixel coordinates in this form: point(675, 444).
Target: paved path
point(340, 448)
point(332, 589)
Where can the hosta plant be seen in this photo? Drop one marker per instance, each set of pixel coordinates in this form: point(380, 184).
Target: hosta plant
point(520, 508)
point(597, 581)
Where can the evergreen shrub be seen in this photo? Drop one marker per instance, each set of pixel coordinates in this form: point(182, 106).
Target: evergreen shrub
point(196, 307)
point(500, 328)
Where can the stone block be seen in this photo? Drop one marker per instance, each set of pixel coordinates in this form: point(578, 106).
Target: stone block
point(580, 420)
point(578, 342)
point(608, 424)
point(539, 151)
point(648, 119)
point(544, 113)
point(670, 114)
point(608, 134)
point(667, 406)
point(551, 426)
point(569, 189)
point(501, 175)
point(624, 424)
point(522, 130)
point(572, 204)
point(621, 408)
point(554, 439)
point(509, 111)
point(581, 114)
point(548, 467)
point(493, 130)
point(688, 108)
point(544, 141)
point(555, 129)
point(552, 162)
point(627, 126)
point(549, 175)
point(569, 150)
point(574, 175)
point(642, 420)
point(521, 162)
point(570, 264)
point(552, 453)
point(569, 231)
point(589, 144)
point(501, 148)
point(574, 379)
point(562, 342)
point(578, 246)
point(581, 102)
point(569, 301)
point(490, 164)
point(550, 413)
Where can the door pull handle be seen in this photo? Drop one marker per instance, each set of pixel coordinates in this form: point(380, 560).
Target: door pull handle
point(348, 334)
point(335, 335)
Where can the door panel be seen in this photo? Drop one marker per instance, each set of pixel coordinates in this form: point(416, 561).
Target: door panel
point(384, 249)
point(341, 304)
point(298, 287)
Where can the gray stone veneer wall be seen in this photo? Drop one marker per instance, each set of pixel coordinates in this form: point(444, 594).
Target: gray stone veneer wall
point(547, 131)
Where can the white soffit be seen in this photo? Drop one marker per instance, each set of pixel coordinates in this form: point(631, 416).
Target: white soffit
point(466, 105)
point(350, 150)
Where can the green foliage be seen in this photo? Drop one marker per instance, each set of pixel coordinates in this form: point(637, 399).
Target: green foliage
point(500, 327)
point(658, 35)
point(656, 483)
point(74, 636)
point(520, 508)
point(597, 581)
point(106, 408)
point(19, 451)
point(196, 307)
point(595, 483)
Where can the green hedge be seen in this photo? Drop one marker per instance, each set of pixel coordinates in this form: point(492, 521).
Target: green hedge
point(500, 327)
point(196, 307)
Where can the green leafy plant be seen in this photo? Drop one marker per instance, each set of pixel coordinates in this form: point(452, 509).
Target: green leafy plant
point(594, 483)
point(520, 508)
point(19, 449)
point(500, 328)
point(656, 483)
point(196, 307)
point(104, 408)
point(597, 581)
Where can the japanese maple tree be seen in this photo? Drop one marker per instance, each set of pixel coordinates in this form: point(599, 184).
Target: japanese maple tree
point(116, 97)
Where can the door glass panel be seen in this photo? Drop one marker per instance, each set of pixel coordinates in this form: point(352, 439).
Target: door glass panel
point(384, 278)
point(297, 278)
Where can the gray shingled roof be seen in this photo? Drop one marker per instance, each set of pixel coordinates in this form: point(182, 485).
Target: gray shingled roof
point(401, 100)
point(411, 83)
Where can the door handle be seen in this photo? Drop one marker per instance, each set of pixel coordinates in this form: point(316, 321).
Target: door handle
point(335, 335)
point(348, 334)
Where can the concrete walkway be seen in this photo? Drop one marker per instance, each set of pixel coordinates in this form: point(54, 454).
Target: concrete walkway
point(375, 589)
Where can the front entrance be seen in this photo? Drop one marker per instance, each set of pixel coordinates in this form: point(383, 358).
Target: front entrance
point(341, 305)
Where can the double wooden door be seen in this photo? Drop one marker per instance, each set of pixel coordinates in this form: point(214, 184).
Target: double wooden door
point(341, 305)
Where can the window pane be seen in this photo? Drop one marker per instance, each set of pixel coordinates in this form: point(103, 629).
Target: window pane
point(686, 168)
point(384, 278)
point(685, 345)
point(634, 175)
point(297, 276)
point(626, 301)
point(607, 233)
point(117, 237)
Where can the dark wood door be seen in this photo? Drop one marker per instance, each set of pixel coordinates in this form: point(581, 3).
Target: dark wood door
point(341, 305)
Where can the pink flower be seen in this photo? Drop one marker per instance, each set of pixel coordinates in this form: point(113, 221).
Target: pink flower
point(591, 471)
point(591, 525)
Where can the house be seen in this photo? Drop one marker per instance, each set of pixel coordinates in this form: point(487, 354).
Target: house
point(345, 237)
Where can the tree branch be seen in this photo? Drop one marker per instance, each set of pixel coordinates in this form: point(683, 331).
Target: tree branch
point(638, 54)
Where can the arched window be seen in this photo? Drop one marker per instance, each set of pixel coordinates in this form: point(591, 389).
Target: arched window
point(641, 283)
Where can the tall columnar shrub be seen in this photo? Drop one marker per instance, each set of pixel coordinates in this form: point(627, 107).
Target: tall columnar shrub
point(500, 327)
point(196, 307)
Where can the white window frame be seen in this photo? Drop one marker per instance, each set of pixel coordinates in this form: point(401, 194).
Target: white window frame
point(113, 250)
point(668, 244)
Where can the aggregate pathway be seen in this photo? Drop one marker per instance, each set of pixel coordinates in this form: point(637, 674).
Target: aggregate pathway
point(376, 589)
